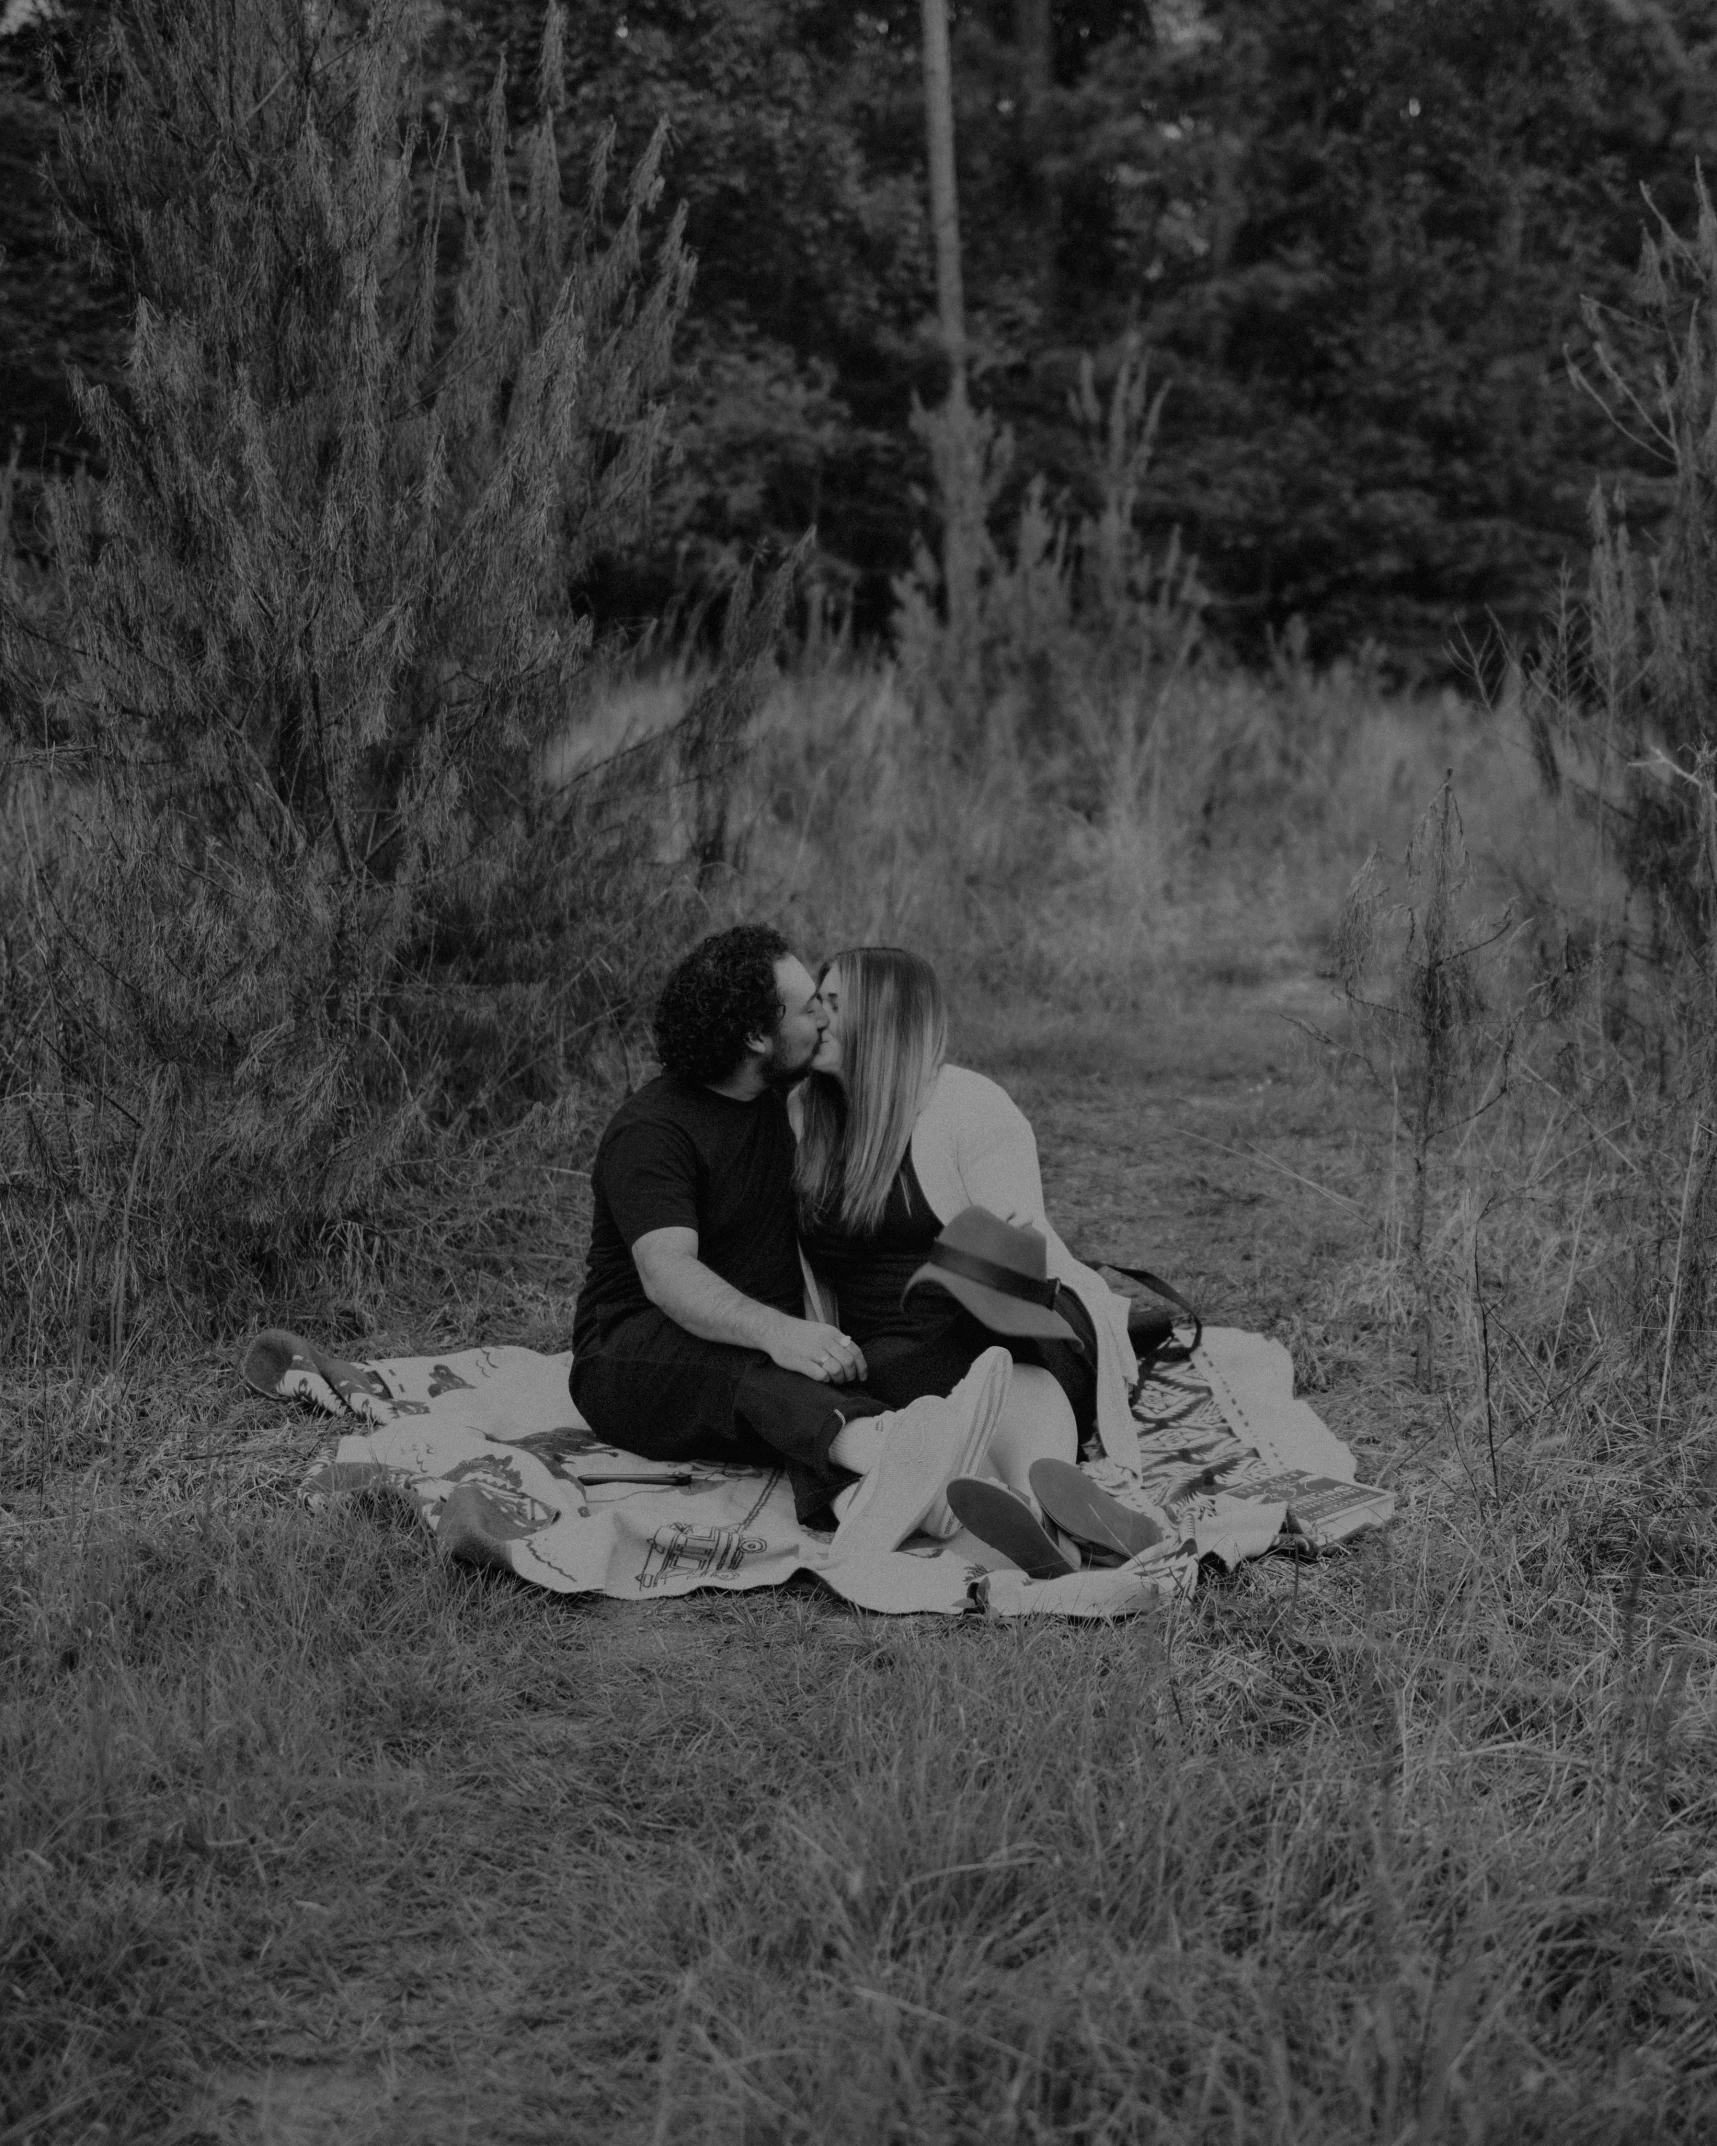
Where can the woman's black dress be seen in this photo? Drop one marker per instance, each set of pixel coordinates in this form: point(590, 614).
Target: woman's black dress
point(927, 1342)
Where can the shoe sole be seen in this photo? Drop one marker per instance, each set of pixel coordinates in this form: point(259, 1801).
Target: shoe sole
point(1006, 1523)
point(931, 1440)
point(1079, 1507)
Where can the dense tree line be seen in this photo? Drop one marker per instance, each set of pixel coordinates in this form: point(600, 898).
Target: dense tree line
point(1356, 235)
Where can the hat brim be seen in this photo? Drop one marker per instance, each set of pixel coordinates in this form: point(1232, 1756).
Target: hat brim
point(1000, 1313)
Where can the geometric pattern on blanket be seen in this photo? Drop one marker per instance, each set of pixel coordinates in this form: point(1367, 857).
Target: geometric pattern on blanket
point(502, 1470)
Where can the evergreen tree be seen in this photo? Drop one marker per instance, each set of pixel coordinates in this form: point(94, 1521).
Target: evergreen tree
point(378, 421)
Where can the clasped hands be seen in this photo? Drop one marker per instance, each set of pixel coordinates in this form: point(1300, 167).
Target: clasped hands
point(817, 1351)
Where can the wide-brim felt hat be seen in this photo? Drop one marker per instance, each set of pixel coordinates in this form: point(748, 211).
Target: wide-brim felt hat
point(999, 1273)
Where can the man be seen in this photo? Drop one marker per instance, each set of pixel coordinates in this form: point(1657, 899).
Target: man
point(690, 1339)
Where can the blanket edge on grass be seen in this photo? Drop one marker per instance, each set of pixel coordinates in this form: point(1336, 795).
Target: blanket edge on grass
point(502, 1471)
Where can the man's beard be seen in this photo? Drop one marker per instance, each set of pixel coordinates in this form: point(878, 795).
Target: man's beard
point(778, 1075)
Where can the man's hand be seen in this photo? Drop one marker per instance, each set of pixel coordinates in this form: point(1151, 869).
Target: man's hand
point(816, 1351)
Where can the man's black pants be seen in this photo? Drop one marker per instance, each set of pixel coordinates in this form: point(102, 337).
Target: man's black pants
point(653, 1389)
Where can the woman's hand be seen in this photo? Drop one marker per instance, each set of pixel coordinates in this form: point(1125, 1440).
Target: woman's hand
point(816, 1351)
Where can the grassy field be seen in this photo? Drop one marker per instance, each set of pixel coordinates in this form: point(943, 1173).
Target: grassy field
point(307, 1836)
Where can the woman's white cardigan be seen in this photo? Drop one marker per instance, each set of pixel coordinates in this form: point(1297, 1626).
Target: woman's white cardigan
point(973, 1147)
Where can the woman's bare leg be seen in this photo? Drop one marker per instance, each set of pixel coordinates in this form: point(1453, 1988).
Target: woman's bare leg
point(1036, 1423)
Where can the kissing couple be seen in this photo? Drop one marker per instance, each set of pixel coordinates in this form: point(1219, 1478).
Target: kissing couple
point(818, 1246)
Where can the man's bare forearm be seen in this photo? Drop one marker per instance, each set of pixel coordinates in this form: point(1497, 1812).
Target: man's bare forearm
point(697, 1298)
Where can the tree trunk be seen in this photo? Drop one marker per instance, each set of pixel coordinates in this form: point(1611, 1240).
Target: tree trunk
point(944, 199)
point(1035, 45)
point(1032, 37)
point(961, 502)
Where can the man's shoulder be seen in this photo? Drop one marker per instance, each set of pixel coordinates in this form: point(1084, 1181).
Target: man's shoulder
point(661, 1106)
point(671, 1103)
point(655, 1099)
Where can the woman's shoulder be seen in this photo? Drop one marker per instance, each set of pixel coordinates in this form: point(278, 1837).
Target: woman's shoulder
point(965, 1081)
point(962, 1097)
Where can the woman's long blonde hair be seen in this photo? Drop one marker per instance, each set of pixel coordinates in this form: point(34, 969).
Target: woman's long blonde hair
point(856, 1128)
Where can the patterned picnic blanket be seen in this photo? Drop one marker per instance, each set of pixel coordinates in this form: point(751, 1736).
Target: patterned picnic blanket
point(502, 1470)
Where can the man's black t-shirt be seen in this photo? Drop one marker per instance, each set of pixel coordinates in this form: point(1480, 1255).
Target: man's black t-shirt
point(679, 1156)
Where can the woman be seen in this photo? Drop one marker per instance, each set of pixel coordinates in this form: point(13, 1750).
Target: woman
point(893, 1143)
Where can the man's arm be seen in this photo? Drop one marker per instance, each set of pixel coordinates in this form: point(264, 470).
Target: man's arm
point(678, 1283)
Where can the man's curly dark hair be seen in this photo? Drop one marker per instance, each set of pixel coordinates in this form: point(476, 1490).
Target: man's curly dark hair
point(721, 995)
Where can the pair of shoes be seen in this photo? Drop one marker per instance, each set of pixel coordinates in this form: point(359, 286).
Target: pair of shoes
point(927, 1444)
point(1083, 1510)
point(1003, 1520)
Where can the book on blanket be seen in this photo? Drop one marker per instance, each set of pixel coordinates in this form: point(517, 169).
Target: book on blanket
point(488, 1447)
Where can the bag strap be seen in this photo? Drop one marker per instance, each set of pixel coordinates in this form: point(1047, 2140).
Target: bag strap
point(1158, 1287)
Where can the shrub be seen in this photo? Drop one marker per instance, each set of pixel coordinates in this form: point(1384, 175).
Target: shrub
point(1622, 705)
point(1623, 700)
point(1066, 637)
point(304, 889)
point(1428, 1035)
